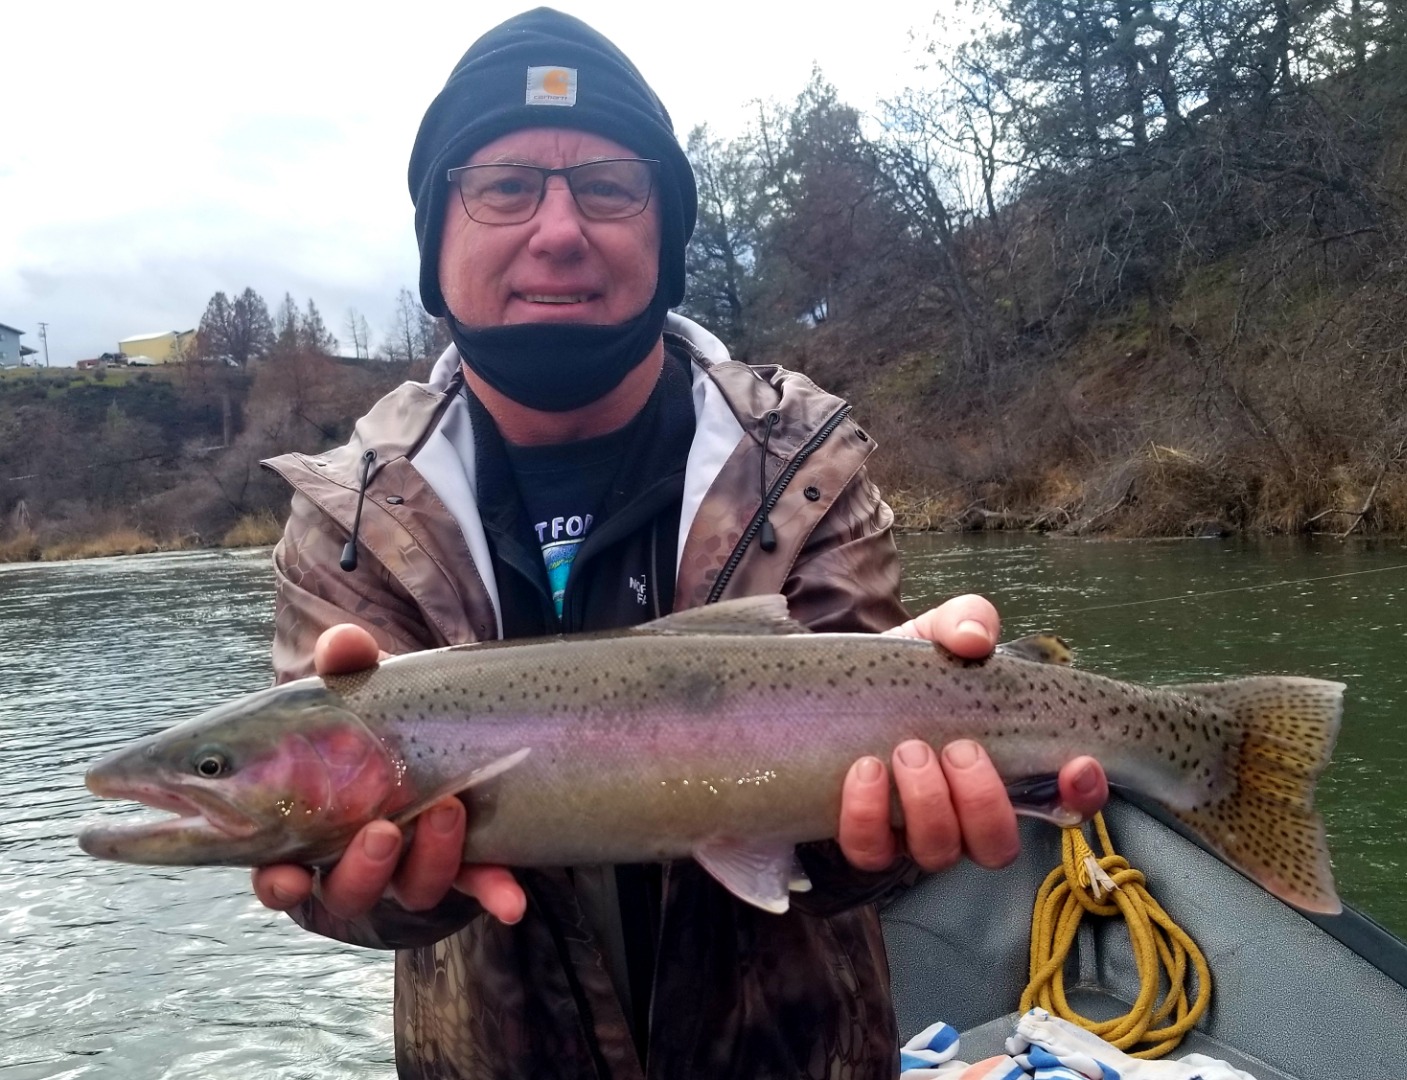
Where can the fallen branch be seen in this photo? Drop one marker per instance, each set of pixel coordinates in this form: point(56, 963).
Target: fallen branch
point(1367, 504)
point(1089, 523)
point(1326, 513)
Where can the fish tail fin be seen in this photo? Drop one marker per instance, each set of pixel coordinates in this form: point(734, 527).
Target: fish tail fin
point(1266, 825)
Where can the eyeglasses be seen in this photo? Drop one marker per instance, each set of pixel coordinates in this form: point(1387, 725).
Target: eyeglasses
point(509, 194)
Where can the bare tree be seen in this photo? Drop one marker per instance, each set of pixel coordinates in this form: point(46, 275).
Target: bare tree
point(359, 333)
point(722, 258)
point(412, 335)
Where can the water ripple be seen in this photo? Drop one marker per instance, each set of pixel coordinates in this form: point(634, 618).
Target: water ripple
point(114, 971)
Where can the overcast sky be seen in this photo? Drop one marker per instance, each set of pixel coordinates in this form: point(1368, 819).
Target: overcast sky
point(152, 154)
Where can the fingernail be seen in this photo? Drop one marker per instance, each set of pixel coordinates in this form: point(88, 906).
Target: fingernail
point(962, 754)
point(380, 844)
point(511, 918)
point(283, 896)
point(972, 626)
point(915, 754)
point(1086, 779)
point(868, 770)
point(444, 819)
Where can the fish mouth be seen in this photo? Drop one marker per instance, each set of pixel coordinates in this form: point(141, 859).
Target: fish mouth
point(200, 816)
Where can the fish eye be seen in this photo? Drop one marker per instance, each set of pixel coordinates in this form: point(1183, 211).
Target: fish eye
point(210, 764)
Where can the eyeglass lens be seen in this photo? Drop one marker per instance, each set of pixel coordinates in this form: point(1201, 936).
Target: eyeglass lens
point(504, 194)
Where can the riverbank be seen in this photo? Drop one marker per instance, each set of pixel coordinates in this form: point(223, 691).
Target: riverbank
point(914, 512)
point(25, 545)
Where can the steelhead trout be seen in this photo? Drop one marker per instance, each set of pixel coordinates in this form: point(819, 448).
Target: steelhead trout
point(722, 733)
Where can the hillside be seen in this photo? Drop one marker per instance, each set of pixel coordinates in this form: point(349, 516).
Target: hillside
point(1134, 271)
point(1150, 288)
point(125, 460)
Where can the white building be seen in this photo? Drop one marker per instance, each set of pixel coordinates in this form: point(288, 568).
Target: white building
point(10, 348)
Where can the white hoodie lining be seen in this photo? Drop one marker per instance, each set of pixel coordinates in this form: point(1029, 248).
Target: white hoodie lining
point(446, 460)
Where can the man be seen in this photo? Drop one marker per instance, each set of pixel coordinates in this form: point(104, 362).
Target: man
point(583, 460)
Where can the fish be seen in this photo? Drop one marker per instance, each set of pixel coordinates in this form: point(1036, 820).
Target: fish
point(721, 733)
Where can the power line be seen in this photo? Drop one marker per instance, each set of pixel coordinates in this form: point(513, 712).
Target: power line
point(1239, 588)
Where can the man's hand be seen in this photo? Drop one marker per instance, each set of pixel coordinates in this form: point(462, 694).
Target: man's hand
point(374, 863)
point(954, 802)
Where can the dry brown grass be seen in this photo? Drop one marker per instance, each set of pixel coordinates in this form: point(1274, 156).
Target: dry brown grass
point(22, 546)
point(919, 511)
point(118, 541)
point(254, 530)
point(1390, 504)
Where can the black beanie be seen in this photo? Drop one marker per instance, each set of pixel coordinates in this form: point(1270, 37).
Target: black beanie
point(546, 69)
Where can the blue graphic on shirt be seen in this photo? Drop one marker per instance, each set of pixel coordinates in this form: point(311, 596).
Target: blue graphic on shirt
point(561, 539)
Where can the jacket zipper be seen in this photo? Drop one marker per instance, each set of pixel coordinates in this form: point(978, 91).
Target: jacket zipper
point(773, 497)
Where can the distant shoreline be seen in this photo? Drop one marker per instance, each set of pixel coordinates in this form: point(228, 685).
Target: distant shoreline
point(911, 515)
point(253, 530)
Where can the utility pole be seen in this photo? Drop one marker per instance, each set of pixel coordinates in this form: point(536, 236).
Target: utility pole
point(44, 340)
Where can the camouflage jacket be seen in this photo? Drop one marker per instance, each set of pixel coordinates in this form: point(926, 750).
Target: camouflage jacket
point(737, 991)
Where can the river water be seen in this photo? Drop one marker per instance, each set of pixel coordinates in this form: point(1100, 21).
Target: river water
point(116, 971)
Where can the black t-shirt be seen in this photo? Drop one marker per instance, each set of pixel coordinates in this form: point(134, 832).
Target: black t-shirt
point(630, 483)
point(563, 488)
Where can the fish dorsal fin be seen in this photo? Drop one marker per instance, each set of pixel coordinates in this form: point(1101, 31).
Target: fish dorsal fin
point(761, 872)
point(1043, 648)
point(477, 776)
point(752, 615)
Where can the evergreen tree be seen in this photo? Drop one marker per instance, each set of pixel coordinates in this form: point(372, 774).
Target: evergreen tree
point(287, 340)
point(251, 333)
point(313, 335)
point(216, 329)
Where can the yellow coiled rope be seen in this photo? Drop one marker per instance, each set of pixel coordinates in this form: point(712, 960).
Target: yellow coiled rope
point(1161, 948)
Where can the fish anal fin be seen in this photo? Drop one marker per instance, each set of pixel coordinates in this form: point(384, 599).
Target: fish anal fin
point(799, 881)
point(1283, 732)
point(765, 614)
point(479, 775)
point(1042, 648)
point(761, 872)
point(1039, 797)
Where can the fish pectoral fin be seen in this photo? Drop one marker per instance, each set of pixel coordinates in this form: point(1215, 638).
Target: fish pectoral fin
point(473, 778)
point(1039, 797)
point(762, 873)
point(1044, 648)
point(799, 882)
point(766, 614)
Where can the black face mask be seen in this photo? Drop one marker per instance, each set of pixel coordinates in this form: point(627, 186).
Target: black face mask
point(555, 367)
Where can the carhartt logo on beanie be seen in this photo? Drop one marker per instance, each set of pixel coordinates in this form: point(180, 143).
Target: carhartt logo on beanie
point(551, 86)
point(575, 78)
